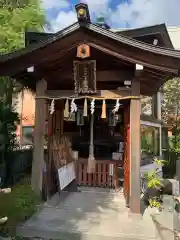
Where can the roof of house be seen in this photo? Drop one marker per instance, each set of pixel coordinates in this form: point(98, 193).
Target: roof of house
point(46, 50)
point(149, 33)
point(96, 29)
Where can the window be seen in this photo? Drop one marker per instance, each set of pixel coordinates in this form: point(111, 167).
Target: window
point(27, 132)
point(149, 141)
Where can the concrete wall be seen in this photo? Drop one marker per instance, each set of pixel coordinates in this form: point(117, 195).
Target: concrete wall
point(174, 33)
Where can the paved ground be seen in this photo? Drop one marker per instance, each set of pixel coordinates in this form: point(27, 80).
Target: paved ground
point(94, 215)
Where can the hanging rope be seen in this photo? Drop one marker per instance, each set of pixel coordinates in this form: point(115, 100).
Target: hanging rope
point(116, 107)
point(52, 107)
point(87, 97)
point(73, 106)
point(92, 108)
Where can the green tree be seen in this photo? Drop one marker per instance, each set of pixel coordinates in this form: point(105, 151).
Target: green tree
point(8, 121)
point(171, 108)
point(16, 17)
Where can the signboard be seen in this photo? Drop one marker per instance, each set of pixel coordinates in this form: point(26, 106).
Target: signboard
point(66, 175)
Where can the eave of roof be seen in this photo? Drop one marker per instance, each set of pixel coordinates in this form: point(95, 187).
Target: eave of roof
point(92, 27)
point(155, 30)
point(32, 37)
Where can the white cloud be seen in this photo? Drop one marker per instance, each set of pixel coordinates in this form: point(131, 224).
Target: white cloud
point(59, 4)
point(64, 19)
point(97, 8)
point(147, 12)
point(135, 14)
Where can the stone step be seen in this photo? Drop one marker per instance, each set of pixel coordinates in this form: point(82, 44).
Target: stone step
point(47, 234)
point(95, 215)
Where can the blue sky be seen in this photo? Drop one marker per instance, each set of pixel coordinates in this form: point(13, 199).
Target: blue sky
point(118, 13)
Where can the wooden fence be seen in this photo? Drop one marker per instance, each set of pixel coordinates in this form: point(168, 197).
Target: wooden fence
point(105, 174)
point(20, 165)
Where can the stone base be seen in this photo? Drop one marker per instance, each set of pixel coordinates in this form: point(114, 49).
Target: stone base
point(72, 187)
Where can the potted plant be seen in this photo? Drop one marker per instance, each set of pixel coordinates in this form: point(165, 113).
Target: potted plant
point(153, 193)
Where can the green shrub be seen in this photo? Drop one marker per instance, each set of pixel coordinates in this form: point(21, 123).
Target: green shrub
point(18, 206)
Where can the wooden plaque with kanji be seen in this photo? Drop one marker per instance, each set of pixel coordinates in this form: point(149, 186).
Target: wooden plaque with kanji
point(85, 77)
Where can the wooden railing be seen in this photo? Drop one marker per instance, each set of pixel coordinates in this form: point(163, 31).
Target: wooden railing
point(105, 174)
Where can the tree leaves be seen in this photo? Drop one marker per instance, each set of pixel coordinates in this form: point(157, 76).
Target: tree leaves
point(171, 106)
point(16, 17)
point(171, 109)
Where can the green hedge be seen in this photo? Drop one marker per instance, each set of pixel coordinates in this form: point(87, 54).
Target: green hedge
point(18, 206)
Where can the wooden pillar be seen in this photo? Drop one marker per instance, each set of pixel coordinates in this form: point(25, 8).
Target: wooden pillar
point(156, 111)
point(135, 148)
point(159, 117)
point(49, 177)
point(126, 186)
point(39, 132)
point(154, 106)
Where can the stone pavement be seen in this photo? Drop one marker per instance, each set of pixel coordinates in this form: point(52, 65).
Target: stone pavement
point(95, 214)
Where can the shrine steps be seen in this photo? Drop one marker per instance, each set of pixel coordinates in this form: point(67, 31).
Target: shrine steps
point(86, 215)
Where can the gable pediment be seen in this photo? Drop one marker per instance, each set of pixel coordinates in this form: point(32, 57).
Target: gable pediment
point(113, 44)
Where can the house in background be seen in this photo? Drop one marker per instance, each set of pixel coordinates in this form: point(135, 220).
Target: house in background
point(174, 33)
point(26, 108)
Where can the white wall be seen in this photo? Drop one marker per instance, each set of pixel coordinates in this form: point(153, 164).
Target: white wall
point(174, 33)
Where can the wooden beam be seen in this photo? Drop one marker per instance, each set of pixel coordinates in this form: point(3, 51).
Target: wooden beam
point(101, 76)
point(133, 55)
point(109, 46)
point(159, 74)
point(39, 132)
point(100, 93)
point(150, 84)
point(41, 55)
point(135, 149)
point(53, 64)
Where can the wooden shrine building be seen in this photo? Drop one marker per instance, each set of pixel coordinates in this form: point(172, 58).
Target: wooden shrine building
point(88, 81)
